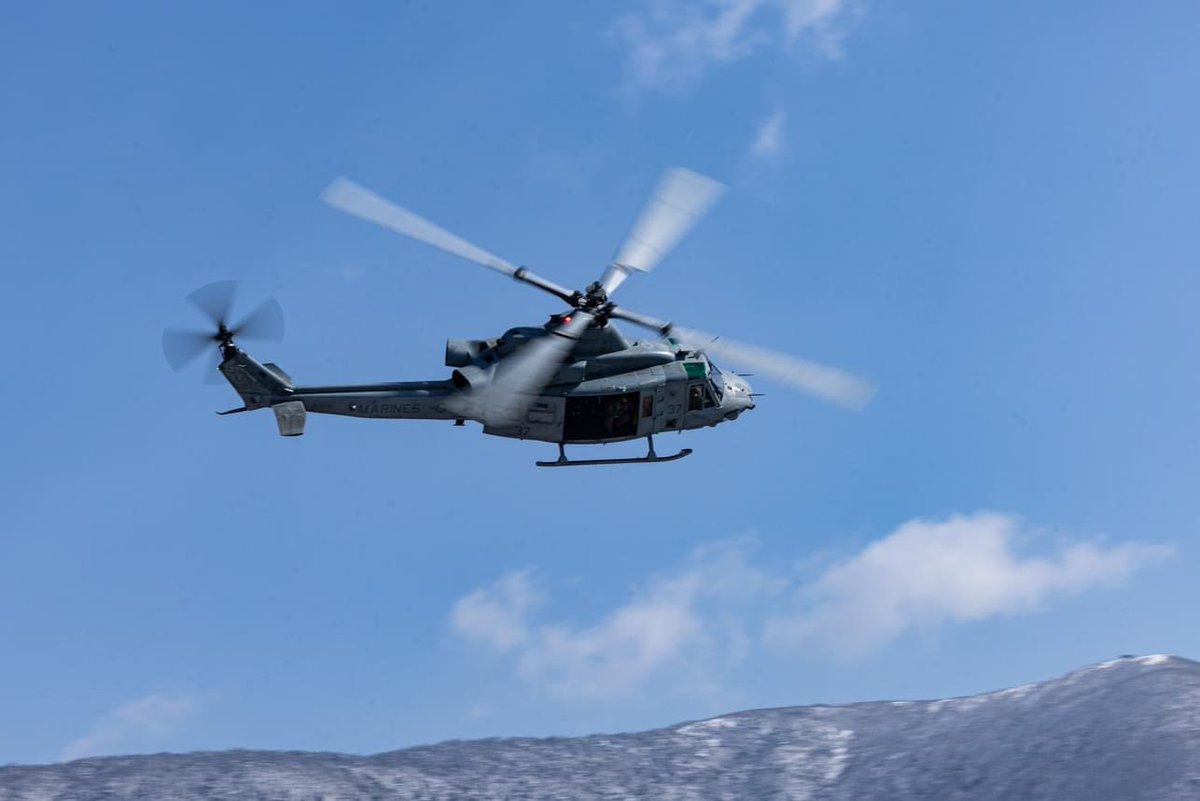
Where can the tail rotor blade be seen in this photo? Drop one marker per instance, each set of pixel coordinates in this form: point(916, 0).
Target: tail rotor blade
point(183, 347)
point(212, 375)
point(679, 200)
point(264, 323)
point(215, 301)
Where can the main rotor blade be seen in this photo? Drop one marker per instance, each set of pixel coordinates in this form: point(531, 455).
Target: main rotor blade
point(827, 383)
point(264, 323)
point(358, 201)
point(654, 324)
point(679, 200)
point(527, 372)
point(183, 347)
point(215, 300)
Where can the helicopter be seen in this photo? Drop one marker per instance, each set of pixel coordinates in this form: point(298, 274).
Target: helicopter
point(577, 379)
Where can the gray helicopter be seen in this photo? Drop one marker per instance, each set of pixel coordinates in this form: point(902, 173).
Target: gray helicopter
point(574, 380)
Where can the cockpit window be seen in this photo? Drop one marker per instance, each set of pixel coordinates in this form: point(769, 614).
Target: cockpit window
point(718, 381)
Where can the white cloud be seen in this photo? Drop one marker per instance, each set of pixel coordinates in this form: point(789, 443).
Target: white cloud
point(139, 724)
point(685, 626)
point(498, 614)
point(684, 621)
point(801, 16)
point(674, 42)
point(927, 573)
point(768, 140)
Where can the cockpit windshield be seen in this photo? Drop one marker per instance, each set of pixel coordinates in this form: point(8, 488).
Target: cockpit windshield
point(718, 381)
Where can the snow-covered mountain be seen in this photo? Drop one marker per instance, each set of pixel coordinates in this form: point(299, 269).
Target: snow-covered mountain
point(1125, 729)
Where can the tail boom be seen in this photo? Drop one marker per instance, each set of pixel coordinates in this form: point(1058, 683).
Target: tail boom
point(263, 386)
point(406, 400)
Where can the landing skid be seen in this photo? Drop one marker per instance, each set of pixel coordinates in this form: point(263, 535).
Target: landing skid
point(650, 458)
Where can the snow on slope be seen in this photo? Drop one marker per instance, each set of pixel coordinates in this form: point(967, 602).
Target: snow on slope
point(1125, 729)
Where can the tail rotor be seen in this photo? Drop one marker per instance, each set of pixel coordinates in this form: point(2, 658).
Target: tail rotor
point(182, 347)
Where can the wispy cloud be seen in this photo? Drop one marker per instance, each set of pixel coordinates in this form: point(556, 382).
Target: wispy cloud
point(498, 614)
point(139, 724)
point(768, 139)
point(686, 625)
point(674, 42)
point(682, 622)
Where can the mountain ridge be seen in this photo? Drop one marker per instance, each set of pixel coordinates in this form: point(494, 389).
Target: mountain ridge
point(1125, 728)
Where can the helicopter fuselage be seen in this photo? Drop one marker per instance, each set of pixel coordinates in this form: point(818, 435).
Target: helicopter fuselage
point(677, 396)
point(685, 392)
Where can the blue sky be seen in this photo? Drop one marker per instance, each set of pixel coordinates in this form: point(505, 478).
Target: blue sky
point(989, 211)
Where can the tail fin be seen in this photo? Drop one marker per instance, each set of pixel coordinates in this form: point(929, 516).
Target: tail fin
point(258, 384)
point(263, 385)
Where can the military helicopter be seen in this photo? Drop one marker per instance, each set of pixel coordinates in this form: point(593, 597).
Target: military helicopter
point(574, 380)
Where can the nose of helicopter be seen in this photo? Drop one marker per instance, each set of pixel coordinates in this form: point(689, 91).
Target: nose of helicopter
point(738, 394)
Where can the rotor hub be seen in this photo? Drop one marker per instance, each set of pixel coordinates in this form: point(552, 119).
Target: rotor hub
point(595, 296)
